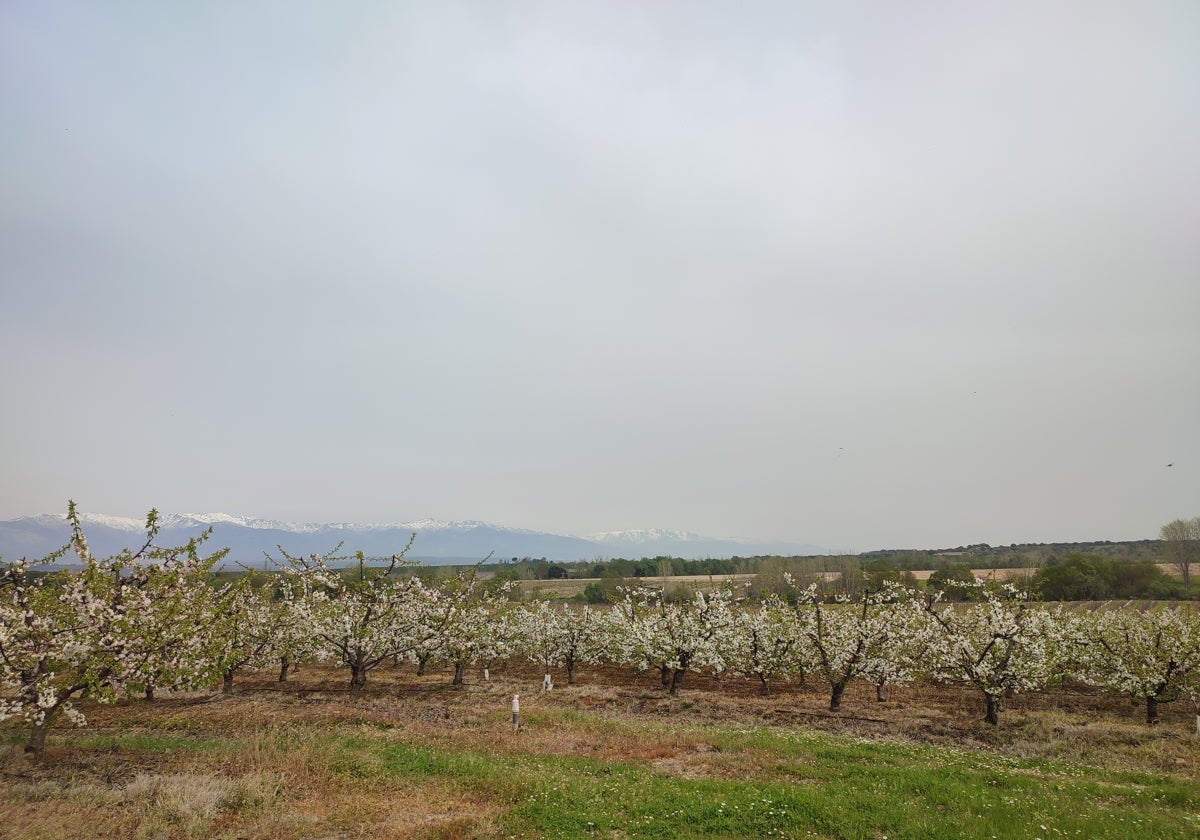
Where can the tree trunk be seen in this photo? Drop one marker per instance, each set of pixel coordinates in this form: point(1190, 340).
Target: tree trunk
point(1151, 710)
point(149, 694)
point(35, 745)
point(358, 678)
point(835, 697)
point(664, 674)
point(460, 668)
point(676, 679)
point(421, 660)
point(227, 682)
point(993, 709)
point(765, 688)
point(570, 670)
point(879, 691)
point(283, 668)
point(685, 659)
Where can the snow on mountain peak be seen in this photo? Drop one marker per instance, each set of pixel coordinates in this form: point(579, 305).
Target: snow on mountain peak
point(195, 521)
point(119, 523)
point(249, 538)
point(642, 535)
point(198, 521)
point(192, 520)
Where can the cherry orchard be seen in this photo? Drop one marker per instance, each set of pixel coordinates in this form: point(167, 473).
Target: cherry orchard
point(1003, 645)
point(1152, 655)
point(117, 626)
point(158, 618)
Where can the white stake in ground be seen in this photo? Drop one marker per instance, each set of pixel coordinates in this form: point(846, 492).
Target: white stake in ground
point(516, 712)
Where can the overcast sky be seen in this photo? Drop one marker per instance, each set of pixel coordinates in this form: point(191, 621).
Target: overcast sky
point(860, 275)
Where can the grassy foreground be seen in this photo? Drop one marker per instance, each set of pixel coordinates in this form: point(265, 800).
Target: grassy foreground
point(610, 758)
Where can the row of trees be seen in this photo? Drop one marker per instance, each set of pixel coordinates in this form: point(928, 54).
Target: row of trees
point(1001, 644)
point(1179, 546)
point(154, 619)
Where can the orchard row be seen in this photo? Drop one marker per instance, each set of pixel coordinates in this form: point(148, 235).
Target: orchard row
point(155, 619)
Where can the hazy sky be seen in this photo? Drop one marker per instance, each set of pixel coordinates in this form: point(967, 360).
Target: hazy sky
point(857, 274)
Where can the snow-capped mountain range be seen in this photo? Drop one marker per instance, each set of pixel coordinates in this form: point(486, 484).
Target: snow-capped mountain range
point(437, 542)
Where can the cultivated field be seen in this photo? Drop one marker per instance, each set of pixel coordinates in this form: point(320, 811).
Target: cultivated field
point(612, 757)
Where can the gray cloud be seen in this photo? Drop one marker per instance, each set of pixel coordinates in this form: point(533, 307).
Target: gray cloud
point(848, 274)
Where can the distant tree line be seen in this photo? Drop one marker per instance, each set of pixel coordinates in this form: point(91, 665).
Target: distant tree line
point(528, 568)
point(1014, 556)
point(1055, 572)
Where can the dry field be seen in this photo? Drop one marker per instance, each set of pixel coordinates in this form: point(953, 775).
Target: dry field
point(304, 760)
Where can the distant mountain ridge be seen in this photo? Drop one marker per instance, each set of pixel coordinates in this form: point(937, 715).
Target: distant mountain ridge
point(437, 542)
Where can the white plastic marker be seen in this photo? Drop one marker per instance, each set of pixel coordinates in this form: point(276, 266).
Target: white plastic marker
point(546, 683)
point(516, 712)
